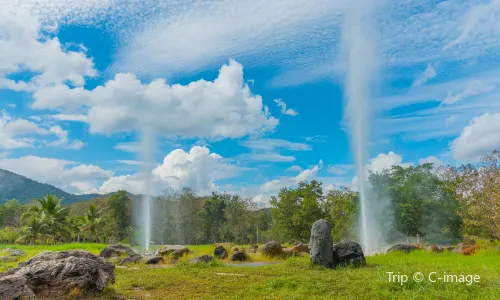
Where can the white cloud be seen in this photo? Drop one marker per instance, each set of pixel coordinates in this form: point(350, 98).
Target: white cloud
point(275, 185)
point(284, 110)
point(69, 117)
point(473, 88)
point(428, 74)
point(481, 136)
point(431, 159)
point(24, 49)
point(294, 168)
point(339, 169)
point(132, 147)
point(63, 174)
point(63, 141)
point(219, 109)
point(265, 144)
point(13, 132)
point(386, 161)
point(198, 169)
point(272, 157)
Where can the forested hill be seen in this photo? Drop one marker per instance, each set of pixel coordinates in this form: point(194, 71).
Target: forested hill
point(15, 186)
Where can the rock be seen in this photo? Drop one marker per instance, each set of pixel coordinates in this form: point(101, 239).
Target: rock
point(15, 252)
point(14, 287)
point(288, 252)
point(117, 250)
point(55, 274)
point(202, 259)
point(348, 254)
point(133, 259)
point(235, 249)
point(272, 249)
point(154, 260)
point(300, 248)
point(239, 256)
point(435, 248)
point(8, 258)
point(168, 249)
point(178, 254)
point(402, 248)
point(253, 249)
point(321, 243)
point(220, 252)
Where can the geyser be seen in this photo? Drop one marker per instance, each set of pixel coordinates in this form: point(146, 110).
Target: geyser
point(359, 50)
point(146, 155)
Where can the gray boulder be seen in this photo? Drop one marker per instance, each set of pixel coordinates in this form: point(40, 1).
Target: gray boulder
point(402, 248)
point(169, 249)
point(8, 258)
point(132, 259)
point(202, 259)
point(253, 249)
point(117, 250)
point(272, 249)
point(321, 243)
point(154, 260)
point(14, 287)
point(55, 274)
point(239, 256)
point(15, 252)
point(220, 252)
point(348, 254)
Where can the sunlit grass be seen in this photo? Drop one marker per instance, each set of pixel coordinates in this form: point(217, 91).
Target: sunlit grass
point(295, 278)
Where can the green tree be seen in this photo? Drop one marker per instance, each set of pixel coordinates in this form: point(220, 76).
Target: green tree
point(295, 210)
point(119, 213)
point(92, 221)
point(213, 217)
point(341, 209)
point(10, 213)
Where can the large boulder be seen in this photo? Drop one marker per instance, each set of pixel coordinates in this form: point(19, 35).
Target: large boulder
point(300, 248)
point(153, 260)
point(117, 251)
point(239, 256)
point(169, 249)
point(14, 287)
point(202, 259)
point(348, 254)
point(403, 248)
point(55, 274)
point(321, 243)
point(132, 259)
point(272, 249)
point(220, 252)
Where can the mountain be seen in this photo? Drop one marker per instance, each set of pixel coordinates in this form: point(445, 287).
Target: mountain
point(15, 186)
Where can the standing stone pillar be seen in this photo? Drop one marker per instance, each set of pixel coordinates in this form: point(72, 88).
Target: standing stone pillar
point(321, 243)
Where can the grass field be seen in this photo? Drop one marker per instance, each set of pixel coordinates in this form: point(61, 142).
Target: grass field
point(295, 278)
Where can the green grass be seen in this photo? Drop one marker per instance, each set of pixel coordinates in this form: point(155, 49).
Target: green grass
point(295, 278)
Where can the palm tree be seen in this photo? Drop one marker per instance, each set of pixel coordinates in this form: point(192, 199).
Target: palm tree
point(35, 229)
point(51, 214)
point(92, 220)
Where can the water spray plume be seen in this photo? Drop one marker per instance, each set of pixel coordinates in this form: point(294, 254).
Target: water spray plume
point(359, 51)
point(146, 153)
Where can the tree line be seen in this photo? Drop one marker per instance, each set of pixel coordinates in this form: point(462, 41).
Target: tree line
point(425, 202)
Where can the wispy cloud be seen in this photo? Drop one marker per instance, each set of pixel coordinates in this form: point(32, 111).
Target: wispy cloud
point(429, 73)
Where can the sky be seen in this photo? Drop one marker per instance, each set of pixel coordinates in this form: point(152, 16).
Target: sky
point(241, 96)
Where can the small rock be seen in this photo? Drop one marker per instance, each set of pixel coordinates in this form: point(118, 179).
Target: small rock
point(239, 256)
point(133, 259)
point(435, 249)
point(272, 249)
point(169, 249)
point(348, 254)
point(459, 248)
point(154, 260)
point(15, 252)
point(8, 258)
point(15, 287)
point(402, 248)
point(117, 251)
point(253, 249)
point(300, 248)
point(220, 252)
point(321, 243)
point(202, 259)
point(178, 254)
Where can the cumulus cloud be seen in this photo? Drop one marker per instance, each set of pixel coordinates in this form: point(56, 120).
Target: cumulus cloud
point(199, 169)
point(385, 162)
point(223, 108)
point(428, 74)
point(481, 136)
point(25, 49)
point(294, 168)
point(69, 176)
point(282, 105)
point(473, 88)
point(275, 185)
point(431, 159)
point(63, 140)
point(339, 169)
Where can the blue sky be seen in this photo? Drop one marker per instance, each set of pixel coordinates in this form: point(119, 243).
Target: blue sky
point(242, 96)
